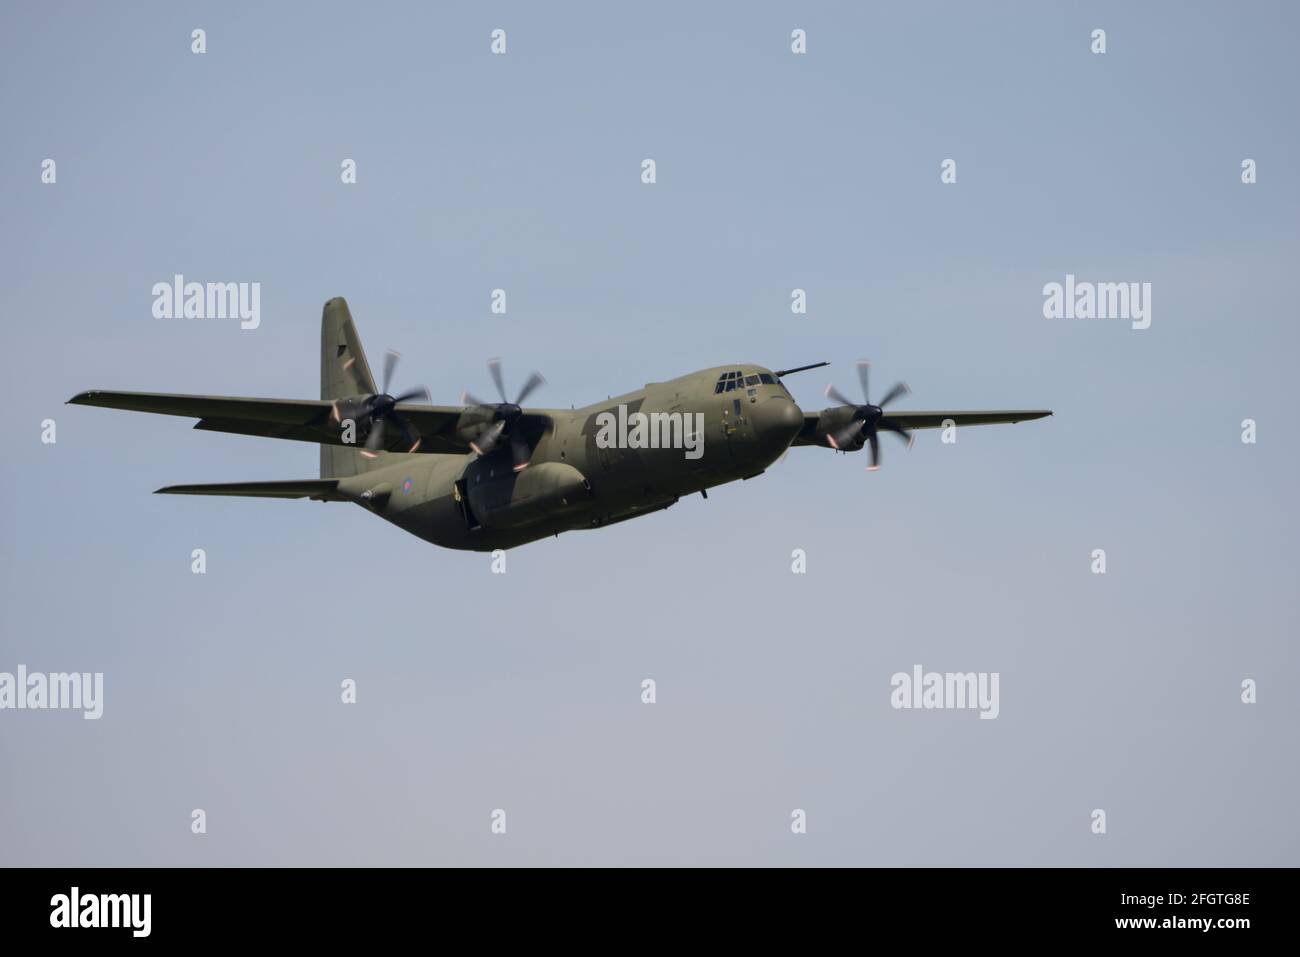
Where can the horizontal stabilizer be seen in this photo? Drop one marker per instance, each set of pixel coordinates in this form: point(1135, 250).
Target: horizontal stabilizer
point(322, 490)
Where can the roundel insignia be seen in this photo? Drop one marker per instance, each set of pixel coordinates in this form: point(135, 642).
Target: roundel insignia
point(407, 484)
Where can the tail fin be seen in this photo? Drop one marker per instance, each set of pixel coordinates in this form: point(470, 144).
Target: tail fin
point(343, 372)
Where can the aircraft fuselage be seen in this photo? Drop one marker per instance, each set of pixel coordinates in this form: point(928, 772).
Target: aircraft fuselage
point(592, 466)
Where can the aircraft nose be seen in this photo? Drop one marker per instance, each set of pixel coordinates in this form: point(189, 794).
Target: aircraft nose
point(777, 420)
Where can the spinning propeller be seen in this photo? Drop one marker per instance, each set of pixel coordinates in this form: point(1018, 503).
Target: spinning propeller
point(869, 420)
point(507, 418)
point(381, 408)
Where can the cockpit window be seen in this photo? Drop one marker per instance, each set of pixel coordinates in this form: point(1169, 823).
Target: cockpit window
point(736, 379)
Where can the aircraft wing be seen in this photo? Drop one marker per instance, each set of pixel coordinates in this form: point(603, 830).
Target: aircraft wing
point(304, 420)
point(935, 420)
point(930, 420)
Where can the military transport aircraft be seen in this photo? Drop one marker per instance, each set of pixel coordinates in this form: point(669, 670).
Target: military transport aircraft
point(489, 475)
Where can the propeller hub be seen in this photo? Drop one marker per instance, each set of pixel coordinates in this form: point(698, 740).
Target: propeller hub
point(869, 419)
point(489, 423)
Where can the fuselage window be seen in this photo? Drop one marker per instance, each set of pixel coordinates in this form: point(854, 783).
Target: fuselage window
point(766, 379)
point(719, 387)
point(751, 380)
point(731, 384)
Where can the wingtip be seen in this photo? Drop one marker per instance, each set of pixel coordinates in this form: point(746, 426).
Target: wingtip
point(81, 398)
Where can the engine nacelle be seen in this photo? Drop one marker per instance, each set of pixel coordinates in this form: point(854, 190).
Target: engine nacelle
point(833, 420)
point(473, 422)
point(356, 409)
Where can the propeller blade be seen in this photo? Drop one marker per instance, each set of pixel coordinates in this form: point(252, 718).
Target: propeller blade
point(488, 440)
point(408, 435)
point(533, 382)
point(415, 393)
point(875, 452)
point(899, 389)
point(390, 363)
point(468, 398)
point(494, 367)
point(376, 437)
point(520, 452)
point(838, 397)
point(897, 429)
point(846, 435)
point(863, 367)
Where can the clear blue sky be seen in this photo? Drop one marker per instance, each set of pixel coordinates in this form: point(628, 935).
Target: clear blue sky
point(480, 691)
